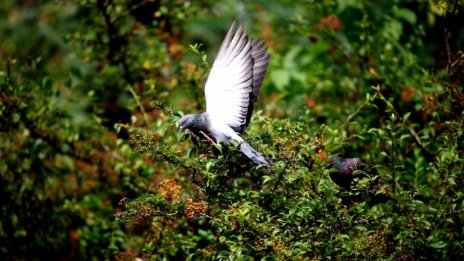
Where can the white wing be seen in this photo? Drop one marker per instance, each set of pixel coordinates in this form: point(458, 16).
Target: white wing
point(229, 89)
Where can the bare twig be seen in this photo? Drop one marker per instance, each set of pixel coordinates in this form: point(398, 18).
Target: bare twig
point(355, 113)
point(416, 137)
point(160, 105)
point(450, 63)
point(448, 51)
point(458, 60)
point(137, 100)
point(126, 12)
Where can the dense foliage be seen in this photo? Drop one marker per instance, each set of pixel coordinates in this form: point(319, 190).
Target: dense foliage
point(92, 165)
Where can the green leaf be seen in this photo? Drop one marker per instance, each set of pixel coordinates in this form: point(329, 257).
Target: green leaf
point(222, 239)
point(281, 78)
point(439, 244)
point(407, 15)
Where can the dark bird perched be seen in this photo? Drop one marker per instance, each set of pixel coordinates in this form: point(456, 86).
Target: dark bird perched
point(344, 174)
point(231, 90)
point(344, 168)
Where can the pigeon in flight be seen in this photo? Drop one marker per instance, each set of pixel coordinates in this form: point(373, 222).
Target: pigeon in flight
point(231, 90)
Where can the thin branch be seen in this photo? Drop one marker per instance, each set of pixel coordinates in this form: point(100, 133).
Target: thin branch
point(214, 219)
point(411, 131)
point(159, 152)
point(151, 213)
point(160, 105)
point(281, 174)
point(450, 63)
point(355, 113)
point(137, 100)
point(392, 160)
point(458, 60)
point(126, 12)
point(8, 72)
point(115, 46)
point(160, 236)
point(448, 51)
point(416, 137)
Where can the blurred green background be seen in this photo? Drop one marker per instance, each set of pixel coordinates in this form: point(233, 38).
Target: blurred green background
point(88, 91)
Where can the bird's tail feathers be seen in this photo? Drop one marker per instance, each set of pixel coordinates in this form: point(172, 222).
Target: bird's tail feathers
point(252, 154)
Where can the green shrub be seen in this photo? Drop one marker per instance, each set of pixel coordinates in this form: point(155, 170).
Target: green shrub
point(93, 167)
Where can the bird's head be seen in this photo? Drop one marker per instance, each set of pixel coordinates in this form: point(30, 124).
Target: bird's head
point(346, 166)
point(186, 122)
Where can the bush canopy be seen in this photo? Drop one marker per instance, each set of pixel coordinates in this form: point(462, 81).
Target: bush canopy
point(361, 114)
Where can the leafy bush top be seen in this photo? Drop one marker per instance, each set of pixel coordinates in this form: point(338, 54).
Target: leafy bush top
point(92, 166)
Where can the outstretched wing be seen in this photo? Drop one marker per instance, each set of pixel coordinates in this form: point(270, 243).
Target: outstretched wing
point(260, 64)
point(229, 87)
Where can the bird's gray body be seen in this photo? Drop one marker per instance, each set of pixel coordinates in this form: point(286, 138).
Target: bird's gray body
point(217, 130)
point(231, 91)
point(221, 133)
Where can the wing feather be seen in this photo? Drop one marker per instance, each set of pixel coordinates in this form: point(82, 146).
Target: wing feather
point(229, 83)
point(235, 78)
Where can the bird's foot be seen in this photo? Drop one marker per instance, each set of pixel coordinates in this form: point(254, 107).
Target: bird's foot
point(208, 139)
